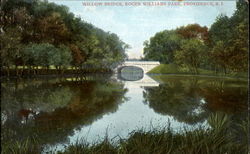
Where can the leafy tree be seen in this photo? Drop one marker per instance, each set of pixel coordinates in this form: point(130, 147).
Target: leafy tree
point(239, 49)
point(51, 29)
point(193, 31)
point(54, 36)
point(220, 30)
point(162, 46)
point(38, 54)
point(220, 55)
point(239, 43)
point(10, 47)
point(191, 54)
point(65, 56)
point(46, 54)
point(61, 58)
point(223, 46)
point(115, 51)
point(15, 13)
point(229, 39)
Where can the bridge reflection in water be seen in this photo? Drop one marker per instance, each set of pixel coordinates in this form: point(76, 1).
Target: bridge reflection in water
point(135, 76)
point(130, 73)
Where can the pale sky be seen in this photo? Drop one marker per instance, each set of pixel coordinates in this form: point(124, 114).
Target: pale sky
point(135, 24)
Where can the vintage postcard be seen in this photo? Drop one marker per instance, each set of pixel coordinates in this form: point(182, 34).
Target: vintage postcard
point(124, 76)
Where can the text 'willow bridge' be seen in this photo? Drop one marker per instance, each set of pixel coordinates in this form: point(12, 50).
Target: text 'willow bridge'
point(146, 66)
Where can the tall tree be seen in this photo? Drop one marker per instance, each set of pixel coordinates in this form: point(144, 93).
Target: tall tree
point(10, 48)
point(51, 29)
point(229, 39)
point(193, 31)
point(162, 46)
point(219, 55)
point(191, 54)
point(49, 33)
point(220, 30)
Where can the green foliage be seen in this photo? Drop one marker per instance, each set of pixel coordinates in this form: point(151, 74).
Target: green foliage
point(221, 48)
point(65, 56)
point(201, 140)
point(191, 54)
point(18, 147)
point(220, 30)
point(164, 141)
point(218, 122)
point(58, 37)
point(162, 47)
point(175, 69)
point(229, 40)
point(46, 54)
point(10, 47)
point(220, 54)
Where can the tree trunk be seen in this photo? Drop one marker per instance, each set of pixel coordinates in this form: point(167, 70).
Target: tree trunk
point(196, 70)
point(34, 70)
point(47, 69)
point(29, 69)
point(57, 70)
point(225, 70)
point(8, 70)
point(22, 70)
point(63, 69)
point(16, 70)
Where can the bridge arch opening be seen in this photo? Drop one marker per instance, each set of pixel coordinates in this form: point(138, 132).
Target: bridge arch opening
point(130, 73)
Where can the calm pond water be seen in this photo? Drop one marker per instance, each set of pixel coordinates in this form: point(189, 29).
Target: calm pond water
point(61, 111)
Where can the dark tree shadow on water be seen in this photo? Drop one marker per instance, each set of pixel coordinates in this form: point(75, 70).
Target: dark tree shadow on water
point(192, 99)
point(50, 111)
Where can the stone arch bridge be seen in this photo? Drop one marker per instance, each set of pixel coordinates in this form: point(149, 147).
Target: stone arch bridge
point(146, 66)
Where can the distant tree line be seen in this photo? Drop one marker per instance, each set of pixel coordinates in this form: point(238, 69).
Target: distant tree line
point(222, 48)
point(40, 34)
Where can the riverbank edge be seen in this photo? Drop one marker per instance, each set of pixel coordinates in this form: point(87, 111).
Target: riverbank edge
point(41, 72)
point(54, 75)
point(110, 74)
point(198, 75)
point(170, 69)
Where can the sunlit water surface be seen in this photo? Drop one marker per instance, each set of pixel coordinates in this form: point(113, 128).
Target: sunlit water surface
point(63, 111)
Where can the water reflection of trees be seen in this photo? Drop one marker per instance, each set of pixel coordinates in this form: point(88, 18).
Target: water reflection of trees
point(226, 96)
point(59, 108)
point(177, 99)
point(191, 99)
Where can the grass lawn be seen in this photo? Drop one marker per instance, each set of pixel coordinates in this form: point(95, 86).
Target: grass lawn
point(174, 69)
point(51, 67)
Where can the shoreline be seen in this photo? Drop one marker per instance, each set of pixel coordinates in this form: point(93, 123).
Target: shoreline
point(198, 75)
point(51, 76)
point(111, 73)
point(172, 69)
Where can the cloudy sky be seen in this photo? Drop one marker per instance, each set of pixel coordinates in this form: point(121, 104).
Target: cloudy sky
point(135, 24)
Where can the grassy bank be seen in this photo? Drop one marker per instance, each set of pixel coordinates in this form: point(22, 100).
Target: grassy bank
point(218, 139)
point(174, 69)
point(38, 71)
